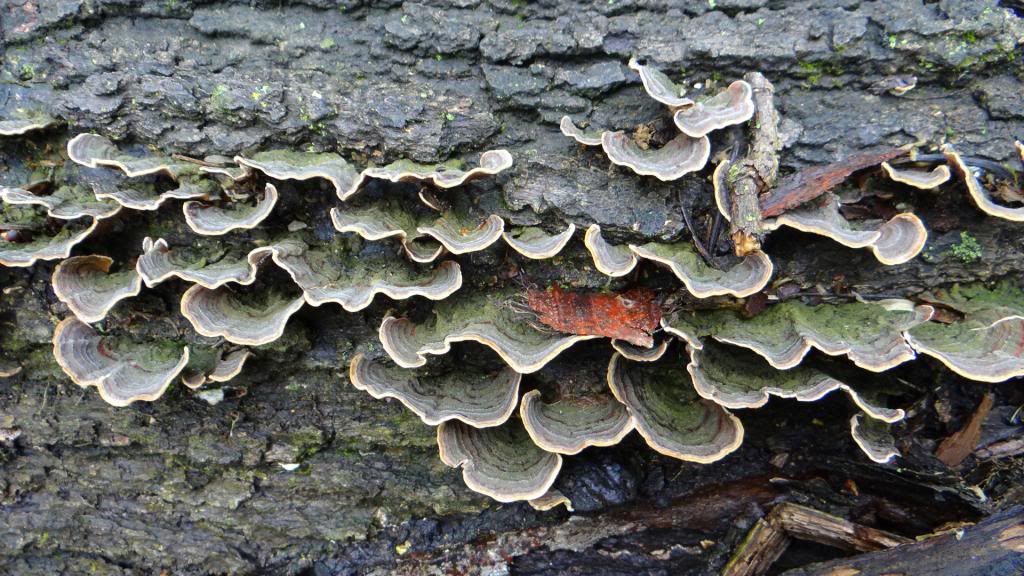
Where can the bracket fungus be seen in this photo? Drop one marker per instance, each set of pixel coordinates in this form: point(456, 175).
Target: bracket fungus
point(639, 353)
point(353, 281)
point(90, 289)
point(921, 179)
point(66, 203)
point(501, 462)
point(985, 345)
point(734, 105)
point(892, 241)
point(217, 220)
point(122, 371)
point(447, 175)
point(871, 334)
point(422, 237)
point(748, 276)
point(94, 151)
point(669, 414)
point(585, 137)
point(873, 438)
point(23, 121)
point(141, 196)
point(476, 397)
point(289, 165)
point(535, 243)
point(159, 262)
point(44, 246)
point(223, 368)
point(484, 318)
point(241, 318)
point(574, 422)
point(659, 86)
point(977, 191)
point(740, 380)
point(677, 158)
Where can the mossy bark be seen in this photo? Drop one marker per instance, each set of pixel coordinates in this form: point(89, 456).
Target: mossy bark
point(190, 488)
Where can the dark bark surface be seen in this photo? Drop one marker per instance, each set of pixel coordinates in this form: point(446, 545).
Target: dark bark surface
point(188, 488)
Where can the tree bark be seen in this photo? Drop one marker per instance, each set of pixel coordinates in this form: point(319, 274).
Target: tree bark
point(182, 487)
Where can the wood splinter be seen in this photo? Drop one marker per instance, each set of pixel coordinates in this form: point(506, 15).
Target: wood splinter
point(770, 537)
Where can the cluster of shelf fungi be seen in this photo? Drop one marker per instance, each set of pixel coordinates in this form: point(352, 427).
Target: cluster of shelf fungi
point(675, 378)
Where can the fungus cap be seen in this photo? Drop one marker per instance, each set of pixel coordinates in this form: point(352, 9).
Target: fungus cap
point(211, 220)
point(89, 289)
point(221, 312)
point(734, 105)
point(680, 156)
point(669, 414)
point(660, 87)
point(536, 244)
point(475, 397)
point(289, 165)
point(122, 374)
point(572, 423)
point(922, 179)
point(500, 462)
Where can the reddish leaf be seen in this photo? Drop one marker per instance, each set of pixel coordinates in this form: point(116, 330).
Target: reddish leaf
point(630, 316)
point(808, 184)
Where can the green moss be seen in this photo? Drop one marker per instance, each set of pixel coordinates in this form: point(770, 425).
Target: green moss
point(327, 43)
point(968, 250)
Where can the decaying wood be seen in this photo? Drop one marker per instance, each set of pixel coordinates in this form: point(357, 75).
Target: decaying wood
point(959, 445)
point(994, 546)
point(811, 183)
point(755, 174)
point(772, 535)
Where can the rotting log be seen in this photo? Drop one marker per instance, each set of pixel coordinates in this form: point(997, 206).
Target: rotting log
point(191, 488)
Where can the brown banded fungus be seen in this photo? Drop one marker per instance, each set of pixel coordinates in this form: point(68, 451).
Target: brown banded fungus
point(209, 268)
point(873, 438)
point(222, 367)
point(142, 196)
point(422, 236)
point(749, 275)
point(892, 241)
point(66, 203)
point(486, 318)
point(90, 289)
point(448, 175)
point(573, 422)
point(535, 243)
point(677, 158)
point(922, 179)
point(94, 151)
point(242, 318)
point(42, 244)
point(23, 121)
point(122, 371)
point(740, 380)
point(985, 344)
point(352, 280)
point(660, 87)
point(669, 414)
point(734, 105)
point(550, 500)
point(977, 191)
point(476, 397)
point(289, 165)
point(216, 220)
point(870, 334)
point(585, 137)
point(501, 462)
